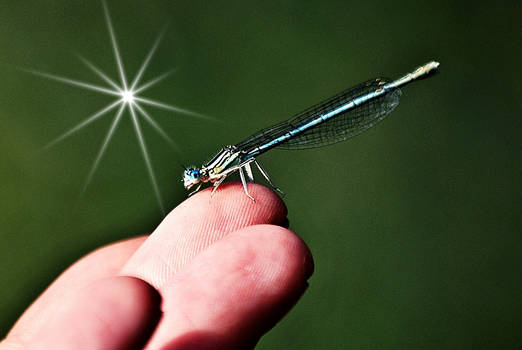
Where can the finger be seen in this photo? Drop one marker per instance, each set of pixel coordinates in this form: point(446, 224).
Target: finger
point(113, 313)
point(196, 224)
point(101, 263)
point(234, 291)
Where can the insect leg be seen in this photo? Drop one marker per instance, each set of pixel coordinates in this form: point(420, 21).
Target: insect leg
point(243, 181)
point(264, 173)
point(248, 170)
point(216, 185)
point(197, 189)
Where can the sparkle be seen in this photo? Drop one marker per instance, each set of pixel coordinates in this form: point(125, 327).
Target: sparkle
point(128, 98)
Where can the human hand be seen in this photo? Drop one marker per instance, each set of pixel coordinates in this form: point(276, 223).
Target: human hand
point(215, 274)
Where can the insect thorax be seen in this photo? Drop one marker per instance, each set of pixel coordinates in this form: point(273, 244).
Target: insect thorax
point(227, 157)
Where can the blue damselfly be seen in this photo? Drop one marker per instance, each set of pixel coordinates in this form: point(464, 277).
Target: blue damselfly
point(337, 119)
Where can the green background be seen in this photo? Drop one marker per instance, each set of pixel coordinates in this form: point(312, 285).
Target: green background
point(414, 225)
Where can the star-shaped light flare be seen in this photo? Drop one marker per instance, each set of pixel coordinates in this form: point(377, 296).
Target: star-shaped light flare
point(127, 97)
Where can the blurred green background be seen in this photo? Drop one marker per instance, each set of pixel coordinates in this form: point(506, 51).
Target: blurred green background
point(414, 225)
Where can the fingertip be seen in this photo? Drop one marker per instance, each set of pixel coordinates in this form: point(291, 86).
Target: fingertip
point(284, 263)
point(112, 313)
point(293, 256)
point(238, 288)
point(199, 222)
point(99, 264)
point(143, 300)
point(230, 197)
point(142, 310)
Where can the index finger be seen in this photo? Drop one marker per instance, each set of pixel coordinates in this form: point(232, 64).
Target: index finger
point(197, 223)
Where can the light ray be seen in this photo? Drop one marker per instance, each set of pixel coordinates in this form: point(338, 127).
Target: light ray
point(154, 81)
point(103, 147)
point(156, 126)
point(99, 72)
point(73, 82)
point(146, 157)
point(173, 108)
point(147, 60)
point(114, 45)
point(125, 97)
point(82, 124)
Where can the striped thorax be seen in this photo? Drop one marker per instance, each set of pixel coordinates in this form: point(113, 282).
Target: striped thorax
point(228, 157)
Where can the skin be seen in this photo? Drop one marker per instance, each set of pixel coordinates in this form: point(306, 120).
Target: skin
point(215, 274)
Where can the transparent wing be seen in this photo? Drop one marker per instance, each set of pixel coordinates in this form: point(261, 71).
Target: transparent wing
point(338, 128)
point(346, 125)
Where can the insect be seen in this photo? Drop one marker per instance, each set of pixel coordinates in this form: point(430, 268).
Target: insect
point(336, 119)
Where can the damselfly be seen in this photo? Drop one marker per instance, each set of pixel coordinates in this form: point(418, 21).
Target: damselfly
point(337, 119)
